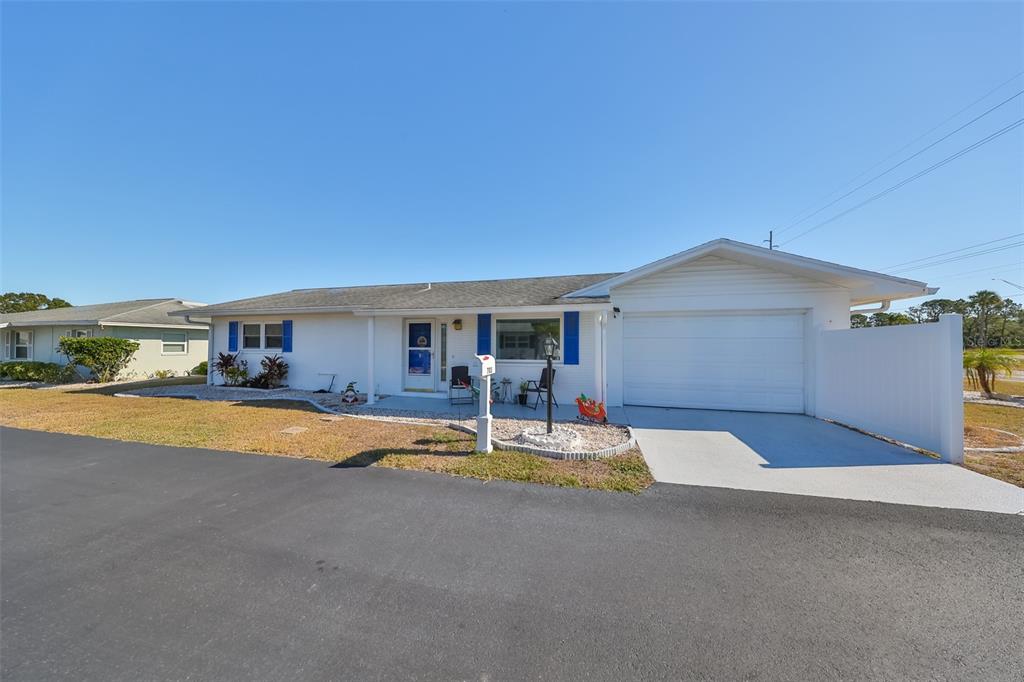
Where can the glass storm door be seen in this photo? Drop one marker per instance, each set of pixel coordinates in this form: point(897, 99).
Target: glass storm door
point(419, 355)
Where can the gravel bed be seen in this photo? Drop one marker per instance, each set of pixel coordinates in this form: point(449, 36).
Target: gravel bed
point(591, 436)
point(977, 397)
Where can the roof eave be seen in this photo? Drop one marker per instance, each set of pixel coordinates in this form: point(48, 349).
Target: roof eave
point(811, 266)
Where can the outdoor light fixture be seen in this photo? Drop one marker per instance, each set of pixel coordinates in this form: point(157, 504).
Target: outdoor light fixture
point(550, 348)
point(457, 325)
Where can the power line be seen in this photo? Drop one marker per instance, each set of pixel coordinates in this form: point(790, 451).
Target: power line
point(926, 171)
point(961, 257)
point(946, 253)
point(1005, 267)
point(916, 139)
point(912, 156)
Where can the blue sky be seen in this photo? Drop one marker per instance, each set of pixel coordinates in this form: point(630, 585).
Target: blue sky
point(223, 150)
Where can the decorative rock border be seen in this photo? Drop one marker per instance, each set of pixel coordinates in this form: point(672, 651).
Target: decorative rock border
point(555, 454)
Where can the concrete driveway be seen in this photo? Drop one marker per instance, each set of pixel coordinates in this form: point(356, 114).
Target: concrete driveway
point(122, 561)
point(796, 454)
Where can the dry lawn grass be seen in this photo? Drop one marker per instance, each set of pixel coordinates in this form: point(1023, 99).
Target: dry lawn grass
point(255, 426)
point(1004, 386)
point(1007, 467)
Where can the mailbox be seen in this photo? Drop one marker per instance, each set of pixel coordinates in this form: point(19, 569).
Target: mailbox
point(483, 418)
point(486, 365)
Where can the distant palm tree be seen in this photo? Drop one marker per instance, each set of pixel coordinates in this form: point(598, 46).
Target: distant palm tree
point(982, 366)
point(984, 303)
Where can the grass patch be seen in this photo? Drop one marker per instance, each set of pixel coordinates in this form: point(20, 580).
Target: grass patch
point(1004, 386)
point(627, 472)
point(1007, 467)
point(255, 426)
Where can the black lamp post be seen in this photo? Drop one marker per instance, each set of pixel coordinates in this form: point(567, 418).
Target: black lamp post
point(550, 348)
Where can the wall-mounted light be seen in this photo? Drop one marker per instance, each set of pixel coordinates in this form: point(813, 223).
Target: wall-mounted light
point(457, 325)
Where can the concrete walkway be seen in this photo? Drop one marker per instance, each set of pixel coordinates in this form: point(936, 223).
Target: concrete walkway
point(801, 455)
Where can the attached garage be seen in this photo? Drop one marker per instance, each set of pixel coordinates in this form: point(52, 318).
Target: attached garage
point(715, 361)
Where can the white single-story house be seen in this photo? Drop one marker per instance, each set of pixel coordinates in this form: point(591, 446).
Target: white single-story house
point(724, 325)
point(165, 343)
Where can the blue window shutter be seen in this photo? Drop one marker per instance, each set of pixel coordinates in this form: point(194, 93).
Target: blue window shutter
point(483, 334)
point(571, 340)
point(232, 337)
point(286, 336)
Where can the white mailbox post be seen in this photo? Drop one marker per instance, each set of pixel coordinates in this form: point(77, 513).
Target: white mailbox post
point(483, 419)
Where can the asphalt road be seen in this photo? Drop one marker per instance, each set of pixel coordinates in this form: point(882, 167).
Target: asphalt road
point(127, 561)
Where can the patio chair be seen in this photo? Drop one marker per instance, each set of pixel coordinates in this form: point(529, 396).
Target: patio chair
point(460, 387)
point(541, 388)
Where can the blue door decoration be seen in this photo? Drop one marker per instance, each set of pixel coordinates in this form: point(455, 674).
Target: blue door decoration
point(419, 348)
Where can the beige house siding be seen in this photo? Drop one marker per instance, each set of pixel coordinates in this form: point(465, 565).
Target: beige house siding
point(147, 360)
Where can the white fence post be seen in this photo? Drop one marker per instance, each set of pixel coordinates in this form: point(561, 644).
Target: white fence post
point(952, 436)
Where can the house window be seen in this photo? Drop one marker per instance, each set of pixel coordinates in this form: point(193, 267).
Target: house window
point(79, 333)
point(251, 336)
point(273, 335)
point(256, 336)
point(174, 343)
point(21, 345)
point(524, 339)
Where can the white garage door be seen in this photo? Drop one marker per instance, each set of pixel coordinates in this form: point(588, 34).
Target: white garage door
point(715, 362)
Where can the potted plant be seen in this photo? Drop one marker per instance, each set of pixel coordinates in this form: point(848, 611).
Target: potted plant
point(523, 385)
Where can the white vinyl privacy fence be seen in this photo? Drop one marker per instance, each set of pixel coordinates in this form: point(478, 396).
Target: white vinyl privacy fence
point(903, 382)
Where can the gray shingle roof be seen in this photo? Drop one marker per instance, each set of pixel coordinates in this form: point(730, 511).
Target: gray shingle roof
point(492, 293)
point(141, 311)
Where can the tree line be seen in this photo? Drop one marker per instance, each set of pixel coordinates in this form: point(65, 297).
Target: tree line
point(990, 321)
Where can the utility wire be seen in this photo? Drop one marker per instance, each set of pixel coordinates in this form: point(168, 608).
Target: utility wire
point(1005, 267)
point(965, 256)
point(946, 253)
point(912, 156)
point(926, 171)
point(916, 139)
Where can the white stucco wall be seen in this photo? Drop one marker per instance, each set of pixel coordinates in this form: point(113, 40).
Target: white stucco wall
point(321, 344)
point(337, 342)
point(714, 284)
point(147, 360)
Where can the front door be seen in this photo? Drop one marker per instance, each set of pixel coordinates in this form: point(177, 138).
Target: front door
point(419, 355)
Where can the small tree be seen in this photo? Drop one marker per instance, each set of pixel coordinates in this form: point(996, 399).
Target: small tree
point(982, 366)
point(104, 355)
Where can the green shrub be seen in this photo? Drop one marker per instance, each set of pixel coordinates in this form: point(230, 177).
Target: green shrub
point(46, 372)
point(275, 369)
point(164, 374)
point(200, 369)
point(106, 356)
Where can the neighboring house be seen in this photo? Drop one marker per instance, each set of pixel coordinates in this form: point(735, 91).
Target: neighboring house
point(165, 343)
point(725, 325)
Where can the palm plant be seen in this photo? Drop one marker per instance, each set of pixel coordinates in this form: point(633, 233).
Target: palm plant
point(983, 364)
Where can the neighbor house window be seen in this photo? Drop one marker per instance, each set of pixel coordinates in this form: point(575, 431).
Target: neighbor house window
point(250, 336)
point(273, 335)
point(21, 345)
point(174, 343)
point(524, 339)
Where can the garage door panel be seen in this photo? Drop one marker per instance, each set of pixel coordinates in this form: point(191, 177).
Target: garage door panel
point(715, 326)
point(732, 362)
point(716, 349)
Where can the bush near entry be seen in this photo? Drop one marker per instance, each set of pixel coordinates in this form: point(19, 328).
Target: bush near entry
point(104, 355)
point(46, 372)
